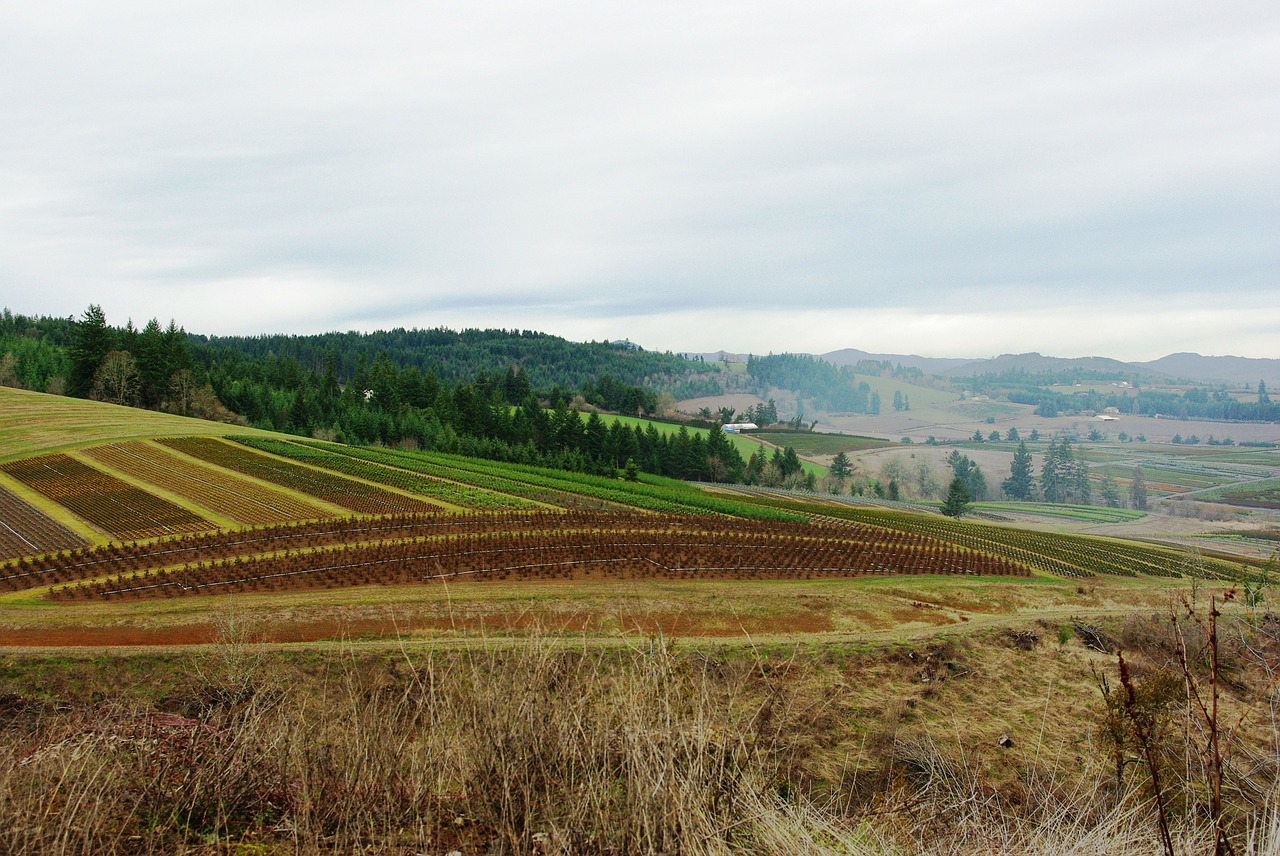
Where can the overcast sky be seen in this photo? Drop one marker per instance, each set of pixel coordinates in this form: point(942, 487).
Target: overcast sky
point(948, 179)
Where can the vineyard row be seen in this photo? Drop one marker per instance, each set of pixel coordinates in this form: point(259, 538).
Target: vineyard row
point(531, 556)
point(119, 509)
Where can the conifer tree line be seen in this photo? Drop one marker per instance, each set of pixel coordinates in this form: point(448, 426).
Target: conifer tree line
point(499, 415)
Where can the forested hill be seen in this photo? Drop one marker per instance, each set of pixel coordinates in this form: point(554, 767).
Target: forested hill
point(548, 361)
point(399, 388)
point(38, 353)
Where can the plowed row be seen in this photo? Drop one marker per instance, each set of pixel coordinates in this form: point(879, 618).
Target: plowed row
point(1064, 555)
point(119, 509)
point(115, 559)
point(239, 499)
point(606, 547)
point(350, 494)
point(25, 529)
point(1047, 552)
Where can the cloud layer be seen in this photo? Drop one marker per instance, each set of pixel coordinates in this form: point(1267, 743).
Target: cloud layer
point(937, 178)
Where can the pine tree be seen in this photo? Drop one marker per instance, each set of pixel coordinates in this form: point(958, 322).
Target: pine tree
point(1052, 478)
point(1020, 484)
point(1081, 490)
point(152, 355)
point(791, 462)
point(957, 501)
point(840, 469)
point(966, 470)
point(90, 345)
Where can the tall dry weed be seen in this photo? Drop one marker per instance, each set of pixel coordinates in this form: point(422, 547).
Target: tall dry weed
point(539, 746)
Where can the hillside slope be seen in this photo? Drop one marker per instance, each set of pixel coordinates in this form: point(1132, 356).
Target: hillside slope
point(34, 422)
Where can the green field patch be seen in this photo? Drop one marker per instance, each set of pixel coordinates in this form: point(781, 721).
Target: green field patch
point(452, 494)
point(746, 444)
point(1264, 493)
point(1086, 513)
point(814, 443)
point(970, 409)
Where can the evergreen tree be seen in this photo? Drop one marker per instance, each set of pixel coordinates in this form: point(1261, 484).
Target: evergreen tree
point(840, 468)
point(1020, 484)
point(957, 501)
point(1138, 491)
point(90, 344)
point(1081, 490)
point(1054, 473)
point(152, 354)
point(967, 471)
point(790, 463)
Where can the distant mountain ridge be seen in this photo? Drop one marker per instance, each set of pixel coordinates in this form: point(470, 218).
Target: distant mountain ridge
point(930, 365)
point(1034, 362)
point(1196, 368)
point(1242, 370)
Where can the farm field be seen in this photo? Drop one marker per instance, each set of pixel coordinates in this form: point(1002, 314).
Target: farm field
point(1086, 513)
point(313, 517)
point(407, 644)
point(357, 496)
point(25, 530)
point(813, 443)
point(1264, 493)
point(869, 608)
point(117, 508)
point(236, 498)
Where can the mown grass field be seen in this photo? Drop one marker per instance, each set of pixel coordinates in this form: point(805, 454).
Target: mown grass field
point(813, 443)
point(32, 422)
point(1088, 513)
point(743, 444)
point(746, 444)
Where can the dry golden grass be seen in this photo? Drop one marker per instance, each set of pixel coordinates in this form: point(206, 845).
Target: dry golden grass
point(659, 746)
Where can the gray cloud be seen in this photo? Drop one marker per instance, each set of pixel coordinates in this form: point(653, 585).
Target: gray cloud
point(609, 168)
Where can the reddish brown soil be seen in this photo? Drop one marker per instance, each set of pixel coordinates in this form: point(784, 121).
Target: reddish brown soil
point(666, 623)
